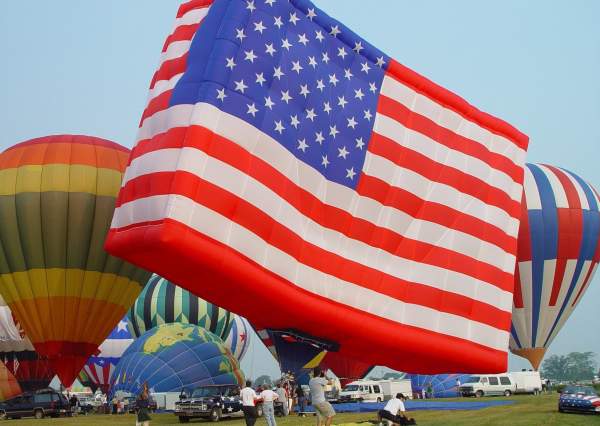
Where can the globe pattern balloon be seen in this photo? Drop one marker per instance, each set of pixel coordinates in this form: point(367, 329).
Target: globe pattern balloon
point(176, 356)
point(163, 302)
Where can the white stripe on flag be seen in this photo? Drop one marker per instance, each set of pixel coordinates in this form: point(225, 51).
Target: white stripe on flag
point(222, 229)
point(245, 187)
point(451, 120)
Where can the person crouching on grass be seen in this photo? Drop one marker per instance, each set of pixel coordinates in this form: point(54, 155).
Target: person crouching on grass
point(394, 411)
point(325, 411)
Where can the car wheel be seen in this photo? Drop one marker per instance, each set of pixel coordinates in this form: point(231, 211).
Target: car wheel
point(507, 393)
point(184, 420)
point(378, 399)
point(215, 415)
point(38, 414)
point(479, 394)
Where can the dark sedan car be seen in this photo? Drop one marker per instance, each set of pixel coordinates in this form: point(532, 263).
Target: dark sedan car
point(582, 399)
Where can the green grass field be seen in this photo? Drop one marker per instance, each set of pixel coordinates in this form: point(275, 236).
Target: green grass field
point(527, 411)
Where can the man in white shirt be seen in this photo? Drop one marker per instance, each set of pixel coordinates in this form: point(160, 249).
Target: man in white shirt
point(394, 410)
point(268, 398)
point(323, 408)
point(283, 398)
point(249, 397)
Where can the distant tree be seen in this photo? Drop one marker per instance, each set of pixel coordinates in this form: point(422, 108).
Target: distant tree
point(572, 367)
point(261, 380)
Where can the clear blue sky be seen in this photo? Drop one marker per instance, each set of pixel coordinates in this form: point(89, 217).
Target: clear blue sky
point(84, 67)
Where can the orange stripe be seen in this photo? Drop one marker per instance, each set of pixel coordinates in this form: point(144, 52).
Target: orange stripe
point(65, 153)
point(61, 319)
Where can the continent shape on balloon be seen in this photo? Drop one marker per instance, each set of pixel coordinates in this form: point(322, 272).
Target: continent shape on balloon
point(176, 356)
point(558, 253)
point(57, 197)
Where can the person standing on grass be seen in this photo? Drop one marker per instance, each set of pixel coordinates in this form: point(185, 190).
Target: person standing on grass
point(268, 398)
point(325, 411)
point(282, 396)
point(143, 407)
point(249, 398)
point(301, 401)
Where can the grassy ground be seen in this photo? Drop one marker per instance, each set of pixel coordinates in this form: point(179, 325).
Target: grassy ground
point(527, 411)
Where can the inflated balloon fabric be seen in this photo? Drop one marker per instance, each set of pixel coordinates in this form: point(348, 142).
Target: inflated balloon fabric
point(316, 185)
point(172, 357)
point(558, 253)
point(442, 385)
point(57, 197)
point(238, 339)
point(162, 302)
point(31, 370)
point(8, 384)
point(99, 368)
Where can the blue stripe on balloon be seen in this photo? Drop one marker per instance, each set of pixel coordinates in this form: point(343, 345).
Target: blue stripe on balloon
point(591, 234)
point(544, 239)
point(514, 335)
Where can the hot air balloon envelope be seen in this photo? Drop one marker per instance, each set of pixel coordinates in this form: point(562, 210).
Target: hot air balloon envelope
point(57, 197)
point(381, 212)
point(558, 253)
point(173, 357)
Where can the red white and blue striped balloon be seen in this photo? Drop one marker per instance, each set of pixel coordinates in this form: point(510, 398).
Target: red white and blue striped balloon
point(558, 253)
point(99, 368)
point(238, 339)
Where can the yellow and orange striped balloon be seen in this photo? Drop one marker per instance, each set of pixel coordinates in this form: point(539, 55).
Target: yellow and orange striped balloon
point(57, 197)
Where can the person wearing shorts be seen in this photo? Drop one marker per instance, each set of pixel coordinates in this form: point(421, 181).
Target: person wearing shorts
point(323, 408)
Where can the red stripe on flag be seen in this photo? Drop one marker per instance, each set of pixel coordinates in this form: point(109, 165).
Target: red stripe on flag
point(169, 69)
point(159, 103)
point(181, 33)
point(191, 5)
point(441, 173)
point(443, 96)
point(409, 203)
point(326, 215)
point(279, 236)
point(179, 247)
point(412, 120)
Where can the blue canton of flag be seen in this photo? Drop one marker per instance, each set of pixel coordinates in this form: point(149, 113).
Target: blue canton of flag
point(281, 71)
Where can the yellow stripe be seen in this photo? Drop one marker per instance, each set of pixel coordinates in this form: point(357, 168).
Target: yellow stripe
point(60, 177)
point(316, 360)
point(59, 282)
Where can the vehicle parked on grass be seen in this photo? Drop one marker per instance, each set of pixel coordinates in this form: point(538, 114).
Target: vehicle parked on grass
point(392, 387)
point(527, 382)
point(362, 390)
point(39, 404)
point(130, 403)
point(488, 385)
point(211, 402)
point(582, 399)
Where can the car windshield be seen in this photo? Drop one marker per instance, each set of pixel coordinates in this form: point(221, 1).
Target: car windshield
point(351, 388)
point(473, 379)
point(208, 391)
point(581, 390)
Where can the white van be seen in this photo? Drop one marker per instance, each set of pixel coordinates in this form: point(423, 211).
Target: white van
point(487, 385)
point(527, 381)
point(392, 387)
point(362, 390)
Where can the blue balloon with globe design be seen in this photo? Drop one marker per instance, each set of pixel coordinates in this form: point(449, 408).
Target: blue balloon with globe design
point(175, 356)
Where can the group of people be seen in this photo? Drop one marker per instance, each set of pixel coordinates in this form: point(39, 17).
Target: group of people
point(284, 393)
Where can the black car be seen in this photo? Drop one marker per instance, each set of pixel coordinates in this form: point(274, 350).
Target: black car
point(211, 402)
point(39, 404)
point(583, 399)
point(131, 404)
